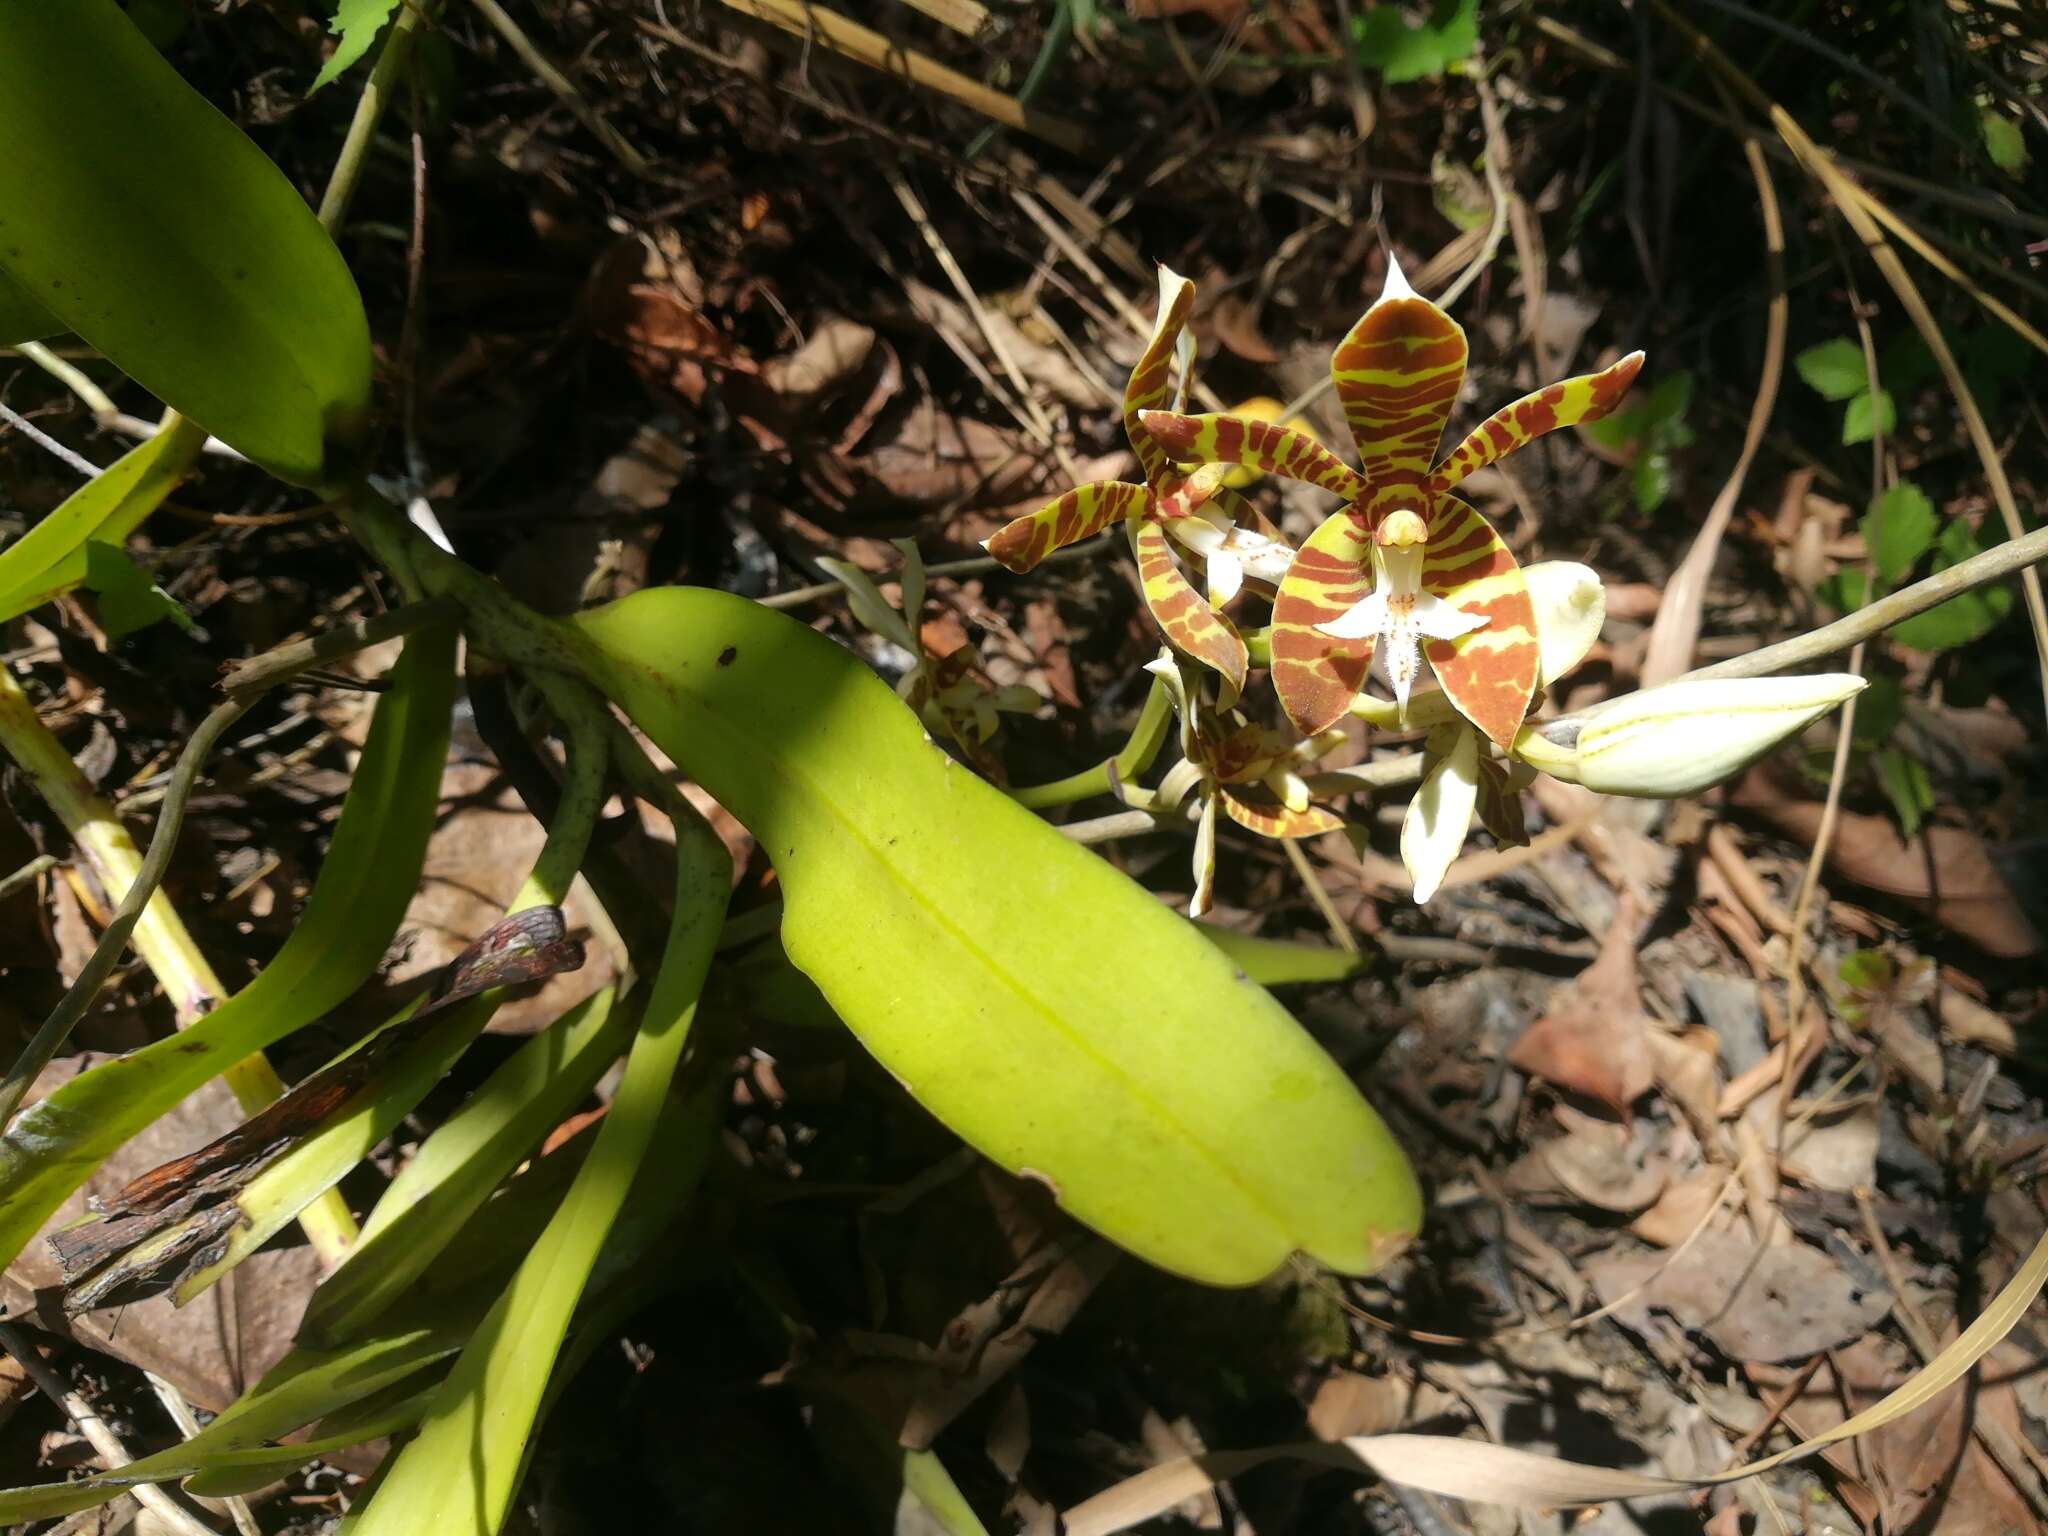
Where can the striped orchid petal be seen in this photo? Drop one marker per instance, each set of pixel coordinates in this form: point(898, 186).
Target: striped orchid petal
point(1191, 625)
point(1260, 445)
point(1269, 818)
point(1397, 374)
point(1489, 672)
point(1585, 398)
point(1317, 675)
point(1150, 382)
point(1080, 514)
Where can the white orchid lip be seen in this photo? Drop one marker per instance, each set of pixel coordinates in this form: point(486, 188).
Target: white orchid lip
point(1689, 736)
point(1398, 613)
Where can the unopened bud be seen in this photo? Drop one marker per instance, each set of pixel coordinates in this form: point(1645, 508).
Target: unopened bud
point(1688, 736)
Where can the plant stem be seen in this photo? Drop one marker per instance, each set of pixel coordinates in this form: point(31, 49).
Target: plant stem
point(355, 148)
point(1147, 736)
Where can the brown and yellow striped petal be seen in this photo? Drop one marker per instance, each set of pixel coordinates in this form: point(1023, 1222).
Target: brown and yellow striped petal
point(1585, 398)
point(1260, 445)
point(1080, 514)
point(1150, 380)
point(1317, 675)
point(1269, 818)
point(1191, 626)
point(1397, 374)
point(1490, 673)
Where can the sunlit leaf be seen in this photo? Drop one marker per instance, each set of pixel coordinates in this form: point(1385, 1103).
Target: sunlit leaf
point(1064, 1022)
point(1836, 368)
point(356, 24)
point(167, 240)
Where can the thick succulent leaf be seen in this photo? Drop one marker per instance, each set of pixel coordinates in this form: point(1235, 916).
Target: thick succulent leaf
point(1260, 445)
point(1150, 380)
point(1269, 818)
point(1191, 626)
point(165, 238)
point(1397, 374)
point(1031, 996)
point(456, 1169)
point(21, 317)
point(1489, 673)
point(459, 1473)
point(1588, 397)
point(1080, 514)
point(51, 557)
point(1317, 675)
point(371, 869)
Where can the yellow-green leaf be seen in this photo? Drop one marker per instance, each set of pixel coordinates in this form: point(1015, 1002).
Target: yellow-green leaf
point(1048, 1009)
point(142, 219)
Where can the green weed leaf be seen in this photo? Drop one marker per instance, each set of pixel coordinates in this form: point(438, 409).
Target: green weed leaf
point(1898, 529)
point(1048, 1009)
point(1863, 419)
point(165, 238)
point(1383, 40)
point(1964, 618)
point(1905, 784)
point(356, 24)
point(2003, 142)
point(1835, 368)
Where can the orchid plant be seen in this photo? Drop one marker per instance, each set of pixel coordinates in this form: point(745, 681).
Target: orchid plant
point(1404, 572)
point(1193, 512)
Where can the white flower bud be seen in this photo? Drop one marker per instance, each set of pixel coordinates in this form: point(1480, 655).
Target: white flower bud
point(1688, 736)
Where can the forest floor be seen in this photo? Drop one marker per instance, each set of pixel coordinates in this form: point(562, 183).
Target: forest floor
point(1727, 1109)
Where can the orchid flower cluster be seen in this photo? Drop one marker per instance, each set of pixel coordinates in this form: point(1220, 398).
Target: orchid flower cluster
point(1403, 572)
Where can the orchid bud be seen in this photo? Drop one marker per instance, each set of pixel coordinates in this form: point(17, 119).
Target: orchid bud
point(1570, 606)
point(1688, 736)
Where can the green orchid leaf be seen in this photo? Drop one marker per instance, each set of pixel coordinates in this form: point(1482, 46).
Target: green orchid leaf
point(1836, 368)
point(129, 600)
point(1043, 1005)
point(467, 1157)
point(1898, 529)
point(166, 239)
point(369, 874)
point(356, 24)
point(1283, 963)
point(52, 556)
point(21, 317)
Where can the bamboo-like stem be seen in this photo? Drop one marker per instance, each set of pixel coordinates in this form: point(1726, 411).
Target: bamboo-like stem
point(355, 145)
point(1146, 738)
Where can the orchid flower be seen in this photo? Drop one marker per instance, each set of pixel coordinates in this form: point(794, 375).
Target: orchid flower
point(1194, 511)
point(953, 694)
point(1460, 777)
point(1254, 774)
point(1404, 566)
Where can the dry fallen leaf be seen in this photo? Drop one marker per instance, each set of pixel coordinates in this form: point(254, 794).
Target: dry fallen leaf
point(1946, 870)
point(1595, 1040)
point(1784, 1301)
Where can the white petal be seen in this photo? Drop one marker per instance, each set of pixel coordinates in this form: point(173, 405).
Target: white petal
point(1441, 814)
point(1262, 559)
point(1571, 605)
point(1184, 355)
point(1440, 621)
point(1360, 621)
point(1175, 783)
point(1226, 576)
point(1197, 533)
point(1205, 860)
